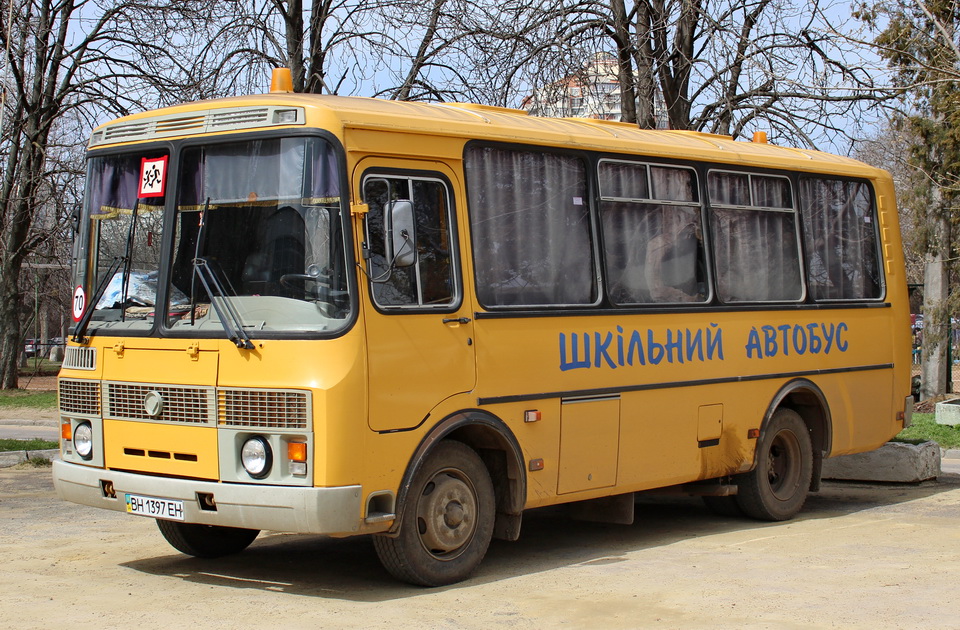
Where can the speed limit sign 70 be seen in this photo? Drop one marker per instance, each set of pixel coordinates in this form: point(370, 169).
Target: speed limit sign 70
point(79, 303)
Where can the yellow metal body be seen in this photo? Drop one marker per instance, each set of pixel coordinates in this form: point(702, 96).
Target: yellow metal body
point(607, 427)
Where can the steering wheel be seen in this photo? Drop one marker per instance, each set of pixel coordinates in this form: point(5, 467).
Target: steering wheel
point(313, 275)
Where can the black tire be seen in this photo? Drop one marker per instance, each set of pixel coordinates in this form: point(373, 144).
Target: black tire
point(447, 520)
point(206, 541)
point(776, 489)
point(723, 506)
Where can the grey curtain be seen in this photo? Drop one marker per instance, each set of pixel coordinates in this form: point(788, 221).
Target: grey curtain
point(840, 236)
point(530, 226)
point(755, 240)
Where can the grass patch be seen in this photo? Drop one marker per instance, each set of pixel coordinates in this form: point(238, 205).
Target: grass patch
point(36, 444)
point(35, 462)
point(28, 398)
point(925, 428)
point(40, 367)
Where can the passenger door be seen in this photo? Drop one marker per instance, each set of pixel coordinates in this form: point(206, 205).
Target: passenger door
point(418, 324)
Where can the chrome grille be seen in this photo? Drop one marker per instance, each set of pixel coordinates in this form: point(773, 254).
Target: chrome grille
point(79, 397)
point(75, 358)
point(193, 405)
point(261, 408)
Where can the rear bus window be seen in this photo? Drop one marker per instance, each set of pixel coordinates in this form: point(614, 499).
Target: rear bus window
point(840, 236)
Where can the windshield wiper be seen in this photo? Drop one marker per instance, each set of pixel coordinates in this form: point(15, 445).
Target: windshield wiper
point(101, 289)
point(131, 234)
point(118, 262)
point(229, 317)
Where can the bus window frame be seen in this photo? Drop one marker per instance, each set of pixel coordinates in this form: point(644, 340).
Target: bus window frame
point(84, 236)
point(456, 253)
point(591, 195)
point(877, 234)
point(705, 242)
point(789, 176)
point(349, 253)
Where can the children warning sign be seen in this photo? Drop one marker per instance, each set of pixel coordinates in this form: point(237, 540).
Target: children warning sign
point(153, 176)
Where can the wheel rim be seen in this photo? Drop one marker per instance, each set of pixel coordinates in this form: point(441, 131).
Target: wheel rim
point(447, 514)
point(783, 465)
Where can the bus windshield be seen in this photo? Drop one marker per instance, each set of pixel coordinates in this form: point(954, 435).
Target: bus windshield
point(257, 235)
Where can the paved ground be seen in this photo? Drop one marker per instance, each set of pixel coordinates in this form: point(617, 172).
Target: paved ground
point(859, 556)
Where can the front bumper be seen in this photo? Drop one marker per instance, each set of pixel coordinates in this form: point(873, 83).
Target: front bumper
point(334, 511)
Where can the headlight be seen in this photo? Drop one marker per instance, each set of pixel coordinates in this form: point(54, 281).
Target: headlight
point(256, 457)
point(83, 440)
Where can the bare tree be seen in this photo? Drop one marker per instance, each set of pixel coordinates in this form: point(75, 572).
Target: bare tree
point(920, 39)
point(722, 66)
point(66, 63)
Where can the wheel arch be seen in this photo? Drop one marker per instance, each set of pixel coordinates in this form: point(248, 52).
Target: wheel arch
point(807, 399)
point(500, 452)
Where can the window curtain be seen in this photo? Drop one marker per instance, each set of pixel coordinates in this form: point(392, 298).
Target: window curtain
point(840, 235)
point(756, 251)
point(114, 187)
point(652, 251)
point(530, 226)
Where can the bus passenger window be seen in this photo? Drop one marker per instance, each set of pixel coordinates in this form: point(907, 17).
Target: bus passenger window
point(431, 280)
point(755, 240)
point(652, 234)
point(531, 229)
point(840, 234)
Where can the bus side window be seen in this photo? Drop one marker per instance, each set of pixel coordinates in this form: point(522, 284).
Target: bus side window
point(840, 233)
point(430, 280)
point(652, 234)
point(755, 238)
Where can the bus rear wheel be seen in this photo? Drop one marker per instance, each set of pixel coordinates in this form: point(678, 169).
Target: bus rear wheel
point(447, 521)
point(206, 541)
point(777, 487)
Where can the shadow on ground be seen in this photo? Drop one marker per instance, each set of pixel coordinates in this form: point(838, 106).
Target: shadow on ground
point(348, 569)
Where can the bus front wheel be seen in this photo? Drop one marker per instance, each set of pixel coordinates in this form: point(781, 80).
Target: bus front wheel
point(777, 487)
point(206, 541)
point(447, 522)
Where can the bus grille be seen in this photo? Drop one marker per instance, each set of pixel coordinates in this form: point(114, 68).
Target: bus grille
point(77, 358)
point(79, 397)
point(193, 405)
point(267, 409)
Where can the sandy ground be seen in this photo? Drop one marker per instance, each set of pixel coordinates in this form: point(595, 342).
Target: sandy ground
point(859, 556)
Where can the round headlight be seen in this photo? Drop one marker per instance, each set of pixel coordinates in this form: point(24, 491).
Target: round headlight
point(256, 457)
point(83, 440)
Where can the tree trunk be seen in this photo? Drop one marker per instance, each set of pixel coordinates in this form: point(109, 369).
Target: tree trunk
point(11, 348)
point(934, 369)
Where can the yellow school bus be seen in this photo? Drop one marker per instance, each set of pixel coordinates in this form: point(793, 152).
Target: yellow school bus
point(348, 316)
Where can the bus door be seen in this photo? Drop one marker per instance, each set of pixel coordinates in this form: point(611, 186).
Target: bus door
point(419, 325)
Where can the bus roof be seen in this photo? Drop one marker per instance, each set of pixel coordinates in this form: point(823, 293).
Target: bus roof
point(462, 120)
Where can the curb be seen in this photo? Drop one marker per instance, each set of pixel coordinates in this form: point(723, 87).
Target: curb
point(894, 462)
point(12, 458)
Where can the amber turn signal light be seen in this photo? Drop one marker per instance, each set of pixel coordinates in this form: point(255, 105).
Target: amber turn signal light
point(297, 451)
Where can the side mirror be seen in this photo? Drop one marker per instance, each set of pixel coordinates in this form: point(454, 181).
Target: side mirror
point(401, 233)
point(75, 220)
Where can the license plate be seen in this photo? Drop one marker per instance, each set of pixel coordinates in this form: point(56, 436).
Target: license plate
point(170, 509)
